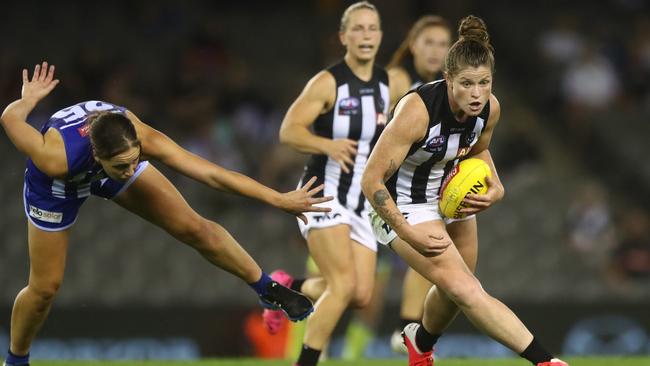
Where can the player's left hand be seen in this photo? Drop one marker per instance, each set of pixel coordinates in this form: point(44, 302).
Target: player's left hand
point(475, 203)
point(303, 200)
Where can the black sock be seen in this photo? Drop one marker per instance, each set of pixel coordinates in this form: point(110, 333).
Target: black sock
point(425, 340)
point(535, 353)
point(403, 322)
point(296, 285)
point(308, 356)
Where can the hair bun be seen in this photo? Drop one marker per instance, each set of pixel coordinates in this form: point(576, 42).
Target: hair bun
point(473, 28)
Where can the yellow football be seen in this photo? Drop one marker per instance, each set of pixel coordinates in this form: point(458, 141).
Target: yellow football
point(467, 177)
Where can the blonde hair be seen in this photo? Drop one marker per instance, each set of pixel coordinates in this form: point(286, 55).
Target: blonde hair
point(473, 47)
point(345, 18)
point(404, 50)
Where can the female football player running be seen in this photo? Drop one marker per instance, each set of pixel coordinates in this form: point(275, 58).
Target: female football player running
point(432, 129)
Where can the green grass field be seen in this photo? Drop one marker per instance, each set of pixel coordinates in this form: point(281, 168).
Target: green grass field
point(595, 361)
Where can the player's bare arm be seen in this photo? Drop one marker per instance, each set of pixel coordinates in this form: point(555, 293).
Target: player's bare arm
point(474, 202)
point(158, 146)
point(399, 83)
point(408, 126)
point(317, 98)
point(46, 151)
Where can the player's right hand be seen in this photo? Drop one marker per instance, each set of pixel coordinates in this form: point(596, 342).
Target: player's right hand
point(303, 200)
point(41, 84)
point(343, 152)
point(428, 242)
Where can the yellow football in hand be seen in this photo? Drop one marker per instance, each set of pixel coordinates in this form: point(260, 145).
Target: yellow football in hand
point(467, 177)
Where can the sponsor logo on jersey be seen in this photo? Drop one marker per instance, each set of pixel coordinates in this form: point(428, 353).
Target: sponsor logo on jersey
point(435, 144)
point(83, 131)
point(349, 106)
point(365, 91)
point(47, 216)
point(463, 151)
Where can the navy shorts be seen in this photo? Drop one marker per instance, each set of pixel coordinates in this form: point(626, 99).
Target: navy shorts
point(51, 213)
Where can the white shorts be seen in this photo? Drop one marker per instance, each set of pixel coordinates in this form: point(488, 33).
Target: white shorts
point(360, 230)
point(414, 214)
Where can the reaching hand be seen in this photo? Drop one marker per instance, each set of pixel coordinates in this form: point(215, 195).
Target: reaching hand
point(303, 200)
point(475, 203)
point(343, 152)
point(41, 84)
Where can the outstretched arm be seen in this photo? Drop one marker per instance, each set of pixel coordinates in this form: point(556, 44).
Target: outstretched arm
point(47, 152)
point(160, 147)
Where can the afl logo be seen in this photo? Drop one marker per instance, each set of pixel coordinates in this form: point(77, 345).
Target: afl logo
point(349, 106)
point(435, 144)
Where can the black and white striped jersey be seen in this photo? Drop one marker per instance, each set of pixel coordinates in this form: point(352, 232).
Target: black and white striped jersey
point(419, 177)
point(359, 114)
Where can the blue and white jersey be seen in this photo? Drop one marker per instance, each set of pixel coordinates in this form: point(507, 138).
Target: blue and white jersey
point(82, 168)
point(52, 204)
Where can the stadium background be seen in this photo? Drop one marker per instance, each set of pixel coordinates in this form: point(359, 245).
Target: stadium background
point(568, 248)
